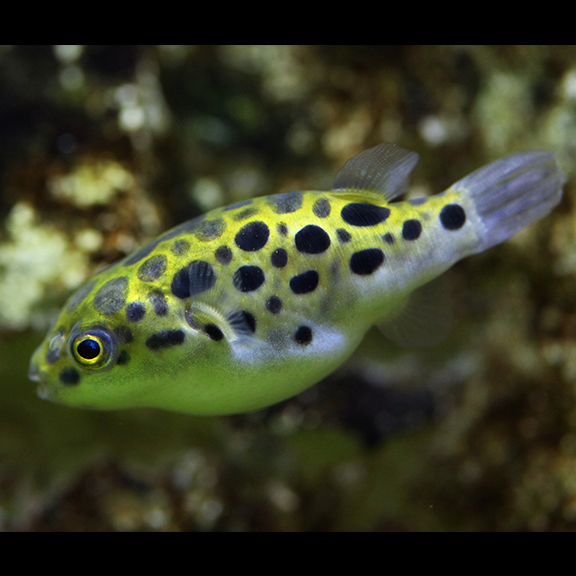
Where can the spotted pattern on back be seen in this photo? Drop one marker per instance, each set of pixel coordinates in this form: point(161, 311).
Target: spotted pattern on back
point(211, 229)
point(245, 214)
point(153, 268)
point(248, 278)
point(111, 297)
point(411, 229)
point(135, 311)
point(252, 237)
point(159, 303)
point(279, 258)
point(223, 255)
point(367, 261)
point(321, 208)
point(452, 217)
point(286, 203)
point(180, 247)
point(305, 282)
point(312, 240)
point(363, 214)
point(266, 255)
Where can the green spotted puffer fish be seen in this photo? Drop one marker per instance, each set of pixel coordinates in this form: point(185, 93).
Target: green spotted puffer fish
point(253, 303)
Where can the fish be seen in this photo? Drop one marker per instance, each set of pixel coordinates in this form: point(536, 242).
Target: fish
point(255, 302)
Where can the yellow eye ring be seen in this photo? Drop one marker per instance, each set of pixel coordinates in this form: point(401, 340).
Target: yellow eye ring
point(93, 350)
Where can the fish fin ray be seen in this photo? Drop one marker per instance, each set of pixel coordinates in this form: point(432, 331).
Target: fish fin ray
point(425, 319)
point(512, 193)
point(384, 169)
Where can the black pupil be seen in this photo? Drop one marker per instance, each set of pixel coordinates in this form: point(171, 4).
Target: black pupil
point(88, 349)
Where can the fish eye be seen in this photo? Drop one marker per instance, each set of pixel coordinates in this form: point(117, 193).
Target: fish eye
point(94, 350)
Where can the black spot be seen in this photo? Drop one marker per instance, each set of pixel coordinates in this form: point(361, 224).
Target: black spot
point(197, 277)
point(123, 358)
point(213, 332)
point(286, 203)
point(111, 297)
point(159, 304)
point(418, 201)
point(135, 311)
point(249, 320)
point(141, 254)
point(321, 208)
point(279, 258)
point(312, 240)
point(240, 204)
point(303, 335)
point(305, 282)
point(69, 376)
point(223, 255)
point(165, 339)
point(274, 304)
point(248, 278)
point(211, 229)
point(343, 235)
point(181, 283)
point(453, 217)
point(364, 214)
point(245, 214)
point(152, 269)
point(389, 238)
point(123, 334)
point(411, 230)
point(366, 261)
point(242, 321)
point(252, 237)
point(335, 270)
point(282, 229)
point(180, 247)
point(78, 296)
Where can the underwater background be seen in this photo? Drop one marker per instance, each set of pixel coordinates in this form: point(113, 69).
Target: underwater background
point(104, 147)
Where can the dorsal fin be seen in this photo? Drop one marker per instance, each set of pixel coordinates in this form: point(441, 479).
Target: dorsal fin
point(384, 168)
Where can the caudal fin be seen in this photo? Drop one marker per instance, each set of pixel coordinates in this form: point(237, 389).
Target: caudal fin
point(513, 192)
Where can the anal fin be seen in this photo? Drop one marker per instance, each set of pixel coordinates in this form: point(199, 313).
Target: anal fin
point(425, 318)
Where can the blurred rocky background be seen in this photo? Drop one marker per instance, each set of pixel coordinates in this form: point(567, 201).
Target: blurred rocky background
point(103, 147)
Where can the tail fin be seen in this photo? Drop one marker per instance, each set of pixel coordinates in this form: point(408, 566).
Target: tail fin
point(512, 193)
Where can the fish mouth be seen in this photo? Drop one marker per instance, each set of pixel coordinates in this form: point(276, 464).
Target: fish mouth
point(35, 375)
point(42, 391)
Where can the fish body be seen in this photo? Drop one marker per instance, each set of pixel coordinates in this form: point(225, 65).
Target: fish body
point(255, 302)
